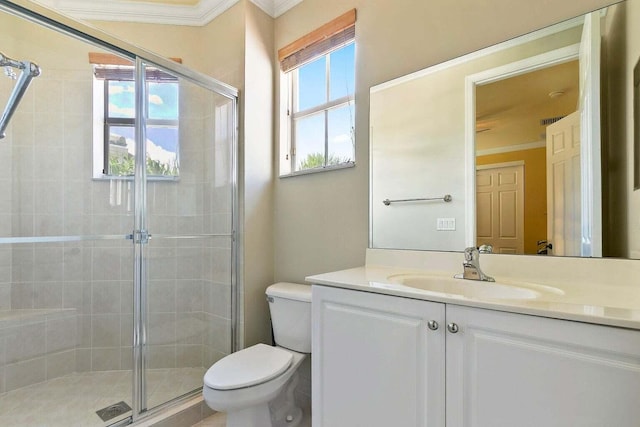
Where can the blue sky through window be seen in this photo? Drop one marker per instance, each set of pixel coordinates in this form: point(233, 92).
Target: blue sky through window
point(315, 88)
point(162, 140)
point(163, 105)
point(342, 74)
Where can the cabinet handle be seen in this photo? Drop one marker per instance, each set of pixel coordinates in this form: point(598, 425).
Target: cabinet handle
point(453, 328)
point(433, 325)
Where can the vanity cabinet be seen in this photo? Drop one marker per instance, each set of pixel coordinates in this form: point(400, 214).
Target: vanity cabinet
point(381, 360)
point(506, 369)
point(375, 362)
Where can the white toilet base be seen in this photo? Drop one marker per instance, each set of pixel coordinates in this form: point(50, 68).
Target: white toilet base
point(257, 415)
point(270, 404)
point(284, 411)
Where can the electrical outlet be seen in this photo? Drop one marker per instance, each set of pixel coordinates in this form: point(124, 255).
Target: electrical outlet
point(446, 224)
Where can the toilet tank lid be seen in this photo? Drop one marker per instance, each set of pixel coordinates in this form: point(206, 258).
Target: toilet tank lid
point(293, 291)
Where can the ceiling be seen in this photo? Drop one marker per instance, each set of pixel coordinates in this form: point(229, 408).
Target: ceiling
point(177, 12)
point(509, 111)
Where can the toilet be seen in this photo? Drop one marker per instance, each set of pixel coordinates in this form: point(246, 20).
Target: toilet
point(255, 386)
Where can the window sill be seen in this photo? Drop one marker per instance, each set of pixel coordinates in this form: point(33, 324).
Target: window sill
point(130, 178)
point(318, 170)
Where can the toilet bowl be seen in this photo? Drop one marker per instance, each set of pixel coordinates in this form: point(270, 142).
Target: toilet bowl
point(255, 386)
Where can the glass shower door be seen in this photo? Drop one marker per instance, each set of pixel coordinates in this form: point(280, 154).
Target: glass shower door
point(65, 256)
point(116, 257)
point(187, 297)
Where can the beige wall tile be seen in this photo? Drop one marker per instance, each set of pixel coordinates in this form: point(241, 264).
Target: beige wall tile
point(161, 329)
point(25, 342)
point(105, 330)
point(189, 295)
point(47, 294)
point(21, 374)
point(105, 297)
point(60, 364)
point(62, 334)
point(105, 359)
point(189, 356)
point(161, 356)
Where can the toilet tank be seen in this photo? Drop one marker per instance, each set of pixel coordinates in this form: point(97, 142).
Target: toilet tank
point(290, 307)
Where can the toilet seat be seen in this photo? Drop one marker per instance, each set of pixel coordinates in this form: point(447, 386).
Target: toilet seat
point(253, 365)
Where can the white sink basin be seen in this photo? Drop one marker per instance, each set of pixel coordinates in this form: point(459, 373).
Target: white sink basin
point(461, 288)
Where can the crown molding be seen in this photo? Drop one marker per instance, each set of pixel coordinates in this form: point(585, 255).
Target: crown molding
point(275, 8)
point(511, 148)
point(156, 13)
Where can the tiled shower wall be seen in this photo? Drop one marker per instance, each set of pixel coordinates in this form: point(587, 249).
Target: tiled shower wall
point(46, 189)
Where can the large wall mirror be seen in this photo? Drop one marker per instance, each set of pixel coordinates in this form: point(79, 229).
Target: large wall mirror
point(526, 146)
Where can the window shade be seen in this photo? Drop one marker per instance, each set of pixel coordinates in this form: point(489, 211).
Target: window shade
point(330, 36)
point(110, 72)
point(112, 67)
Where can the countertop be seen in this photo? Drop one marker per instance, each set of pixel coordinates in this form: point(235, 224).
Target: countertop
point(611, 304)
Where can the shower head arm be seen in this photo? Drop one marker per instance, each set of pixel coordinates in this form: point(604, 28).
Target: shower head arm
point(29, 71)
point(5, 61)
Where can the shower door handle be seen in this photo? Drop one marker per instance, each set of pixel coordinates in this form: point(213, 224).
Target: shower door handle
point(140, 236)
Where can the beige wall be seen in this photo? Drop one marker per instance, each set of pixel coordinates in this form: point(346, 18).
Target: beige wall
point(258, 174)
point(322, 219)
point(166, 40)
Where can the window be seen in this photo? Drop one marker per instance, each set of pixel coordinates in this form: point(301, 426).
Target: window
point(114, 119)
point(321, 84)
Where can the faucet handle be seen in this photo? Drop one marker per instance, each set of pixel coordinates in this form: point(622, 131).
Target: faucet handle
point(485, 249)
point(470, 253)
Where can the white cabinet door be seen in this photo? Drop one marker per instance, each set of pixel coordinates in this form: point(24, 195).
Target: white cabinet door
point(375, 361)
point(506, 370)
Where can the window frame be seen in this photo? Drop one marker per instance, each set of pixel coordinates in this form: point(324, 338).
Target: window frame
point(320, 43)
point(101, 114)
point(294, 115)
point(131, 122)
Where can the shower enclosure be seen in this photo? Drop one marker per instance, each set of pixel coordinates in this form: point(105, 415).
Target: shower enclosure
point(117, 222)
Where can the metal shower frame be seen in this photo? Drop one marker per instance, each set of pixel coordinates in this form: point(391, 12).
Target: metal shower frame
point(140, 235)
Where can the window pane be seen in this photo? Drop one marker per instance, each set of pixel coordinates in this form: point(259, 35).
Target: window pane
point(121, 99)
point(310, 142)
point(122, 149)
point(341, 137)
point(162, 150)
point(312, 84)
point(342, 68)
point(163, 101)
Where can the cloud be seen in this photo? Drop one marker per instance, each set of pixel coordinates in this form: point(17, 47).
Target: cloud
point(341, 139)
point(155, 99)
point(116, 90)
point(155, 152)
point(121, 111)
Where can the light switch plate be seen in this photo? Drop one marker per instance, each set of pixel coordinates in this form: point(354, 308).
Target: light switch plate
point(446, 224)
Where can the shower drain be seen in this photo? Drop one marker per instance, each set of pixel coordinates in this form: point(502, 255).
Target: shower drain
point(113, 411)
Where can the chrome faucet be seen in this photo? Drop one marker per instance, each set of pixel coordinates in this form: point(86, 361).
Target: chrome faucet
point(471, 266)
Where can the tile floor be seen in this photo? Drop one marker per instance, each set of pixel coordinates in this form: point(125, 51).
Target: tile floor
point(220, 420)
point(71, 401)
point(215, 420)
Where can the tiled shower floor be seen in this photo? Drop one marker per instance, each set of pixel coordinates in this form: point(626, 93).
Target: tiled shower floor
point(72, 401)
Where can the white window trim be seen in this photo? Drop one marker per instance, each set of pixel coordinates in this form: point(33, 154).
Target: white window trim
point(288, 85)
point(98, 139)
